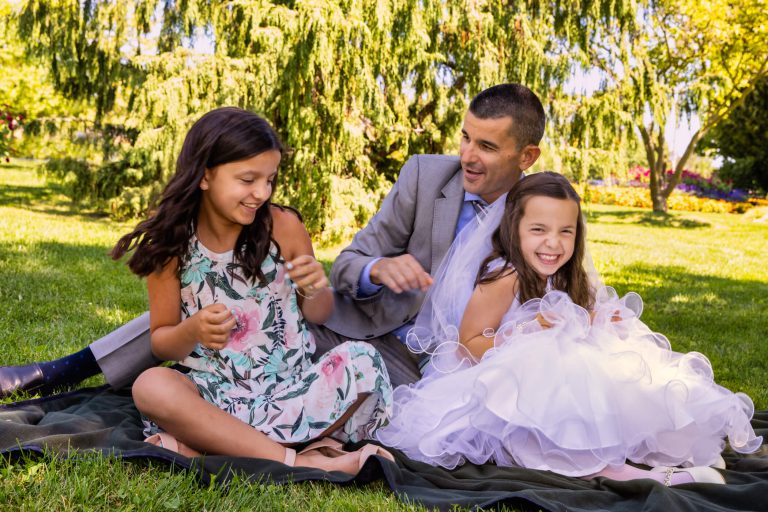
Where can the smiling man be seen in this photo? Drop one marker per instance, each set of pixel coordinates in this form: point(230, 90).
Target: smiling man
point(381, 278)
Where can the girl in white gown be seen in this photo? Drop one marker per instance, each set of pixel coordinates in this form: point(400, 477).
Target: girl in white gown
point(530, 367)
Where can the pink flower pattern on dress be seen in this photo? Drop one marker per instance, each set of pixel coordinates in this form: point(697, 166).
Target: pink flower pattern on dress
point(333, 368)
point(248, 322)
point(264, 376)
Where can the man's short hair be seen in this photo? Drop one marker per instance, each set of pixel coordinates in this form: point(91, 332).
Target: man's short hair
point(515, 101)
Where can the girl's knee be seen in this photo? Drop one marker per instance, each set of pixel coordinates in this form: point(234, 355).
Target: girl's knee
point(153, 386)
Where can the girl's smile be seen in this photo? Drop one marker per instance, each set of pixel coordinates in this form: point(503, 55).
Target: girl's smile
point(548, 259)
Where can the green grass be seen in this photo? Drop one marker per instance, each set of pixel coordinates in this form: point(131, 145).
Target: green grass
point(105, 483)
point(704, 279)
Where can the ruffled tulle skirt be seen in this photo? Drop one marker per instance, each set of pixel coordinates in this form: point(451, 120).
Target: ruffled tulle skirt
point(573, 398)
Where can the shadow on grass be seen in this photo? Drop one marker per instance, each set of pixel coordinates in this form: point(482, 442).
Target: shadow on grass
point(673, 289)
point(645, 218)
point(25, 195)
point(48, 200)
point(604, 242)
point(712, 314)
point(722, 318)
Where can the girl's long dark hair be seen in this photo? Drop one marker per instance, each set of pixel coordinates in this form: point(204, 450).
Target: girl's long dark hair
point(571, 278)
point(221, 136)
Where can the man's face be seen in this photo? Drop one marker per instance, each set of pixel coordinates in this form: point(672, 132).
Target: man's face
point(490, 159)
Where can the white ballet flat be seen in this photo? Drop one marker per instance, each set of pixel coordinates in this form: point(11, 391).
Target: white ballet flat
point(719, 463)
point(700, 474)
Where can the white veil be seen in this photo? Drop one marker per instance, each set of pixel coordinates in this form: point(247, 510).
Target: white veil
point(437, 325)
point(436, 330)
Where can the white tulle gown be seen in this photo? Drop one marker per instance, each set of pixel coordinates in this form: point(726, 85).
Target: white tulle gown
point(573, 398)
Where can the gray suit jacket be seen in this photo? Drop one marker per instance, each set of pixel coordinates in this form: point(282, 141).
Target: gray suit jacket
point(417, 217)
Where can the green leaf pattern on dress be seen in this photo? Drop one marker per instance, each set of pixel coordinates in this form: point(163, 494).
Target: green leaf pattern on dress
point(264, 376)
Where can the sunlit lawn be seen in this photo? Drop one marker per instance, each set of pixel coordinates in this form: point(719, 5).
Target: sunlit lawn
point(704, 278)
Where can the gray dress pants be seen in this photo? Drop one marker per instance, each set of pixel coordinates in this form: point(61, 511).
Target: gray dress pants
point(125, 352)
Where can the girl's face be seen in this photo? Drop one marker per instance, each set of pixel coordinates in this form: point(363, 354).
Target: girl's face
point(548, 233)
point(236, 190)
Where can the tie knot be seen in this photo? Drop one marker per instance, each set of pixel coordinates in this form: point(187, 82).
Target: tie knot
point(479, 206)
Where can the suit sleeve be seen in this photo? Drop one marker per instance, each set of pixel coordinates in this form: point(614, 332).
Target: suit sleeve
point(387, 233)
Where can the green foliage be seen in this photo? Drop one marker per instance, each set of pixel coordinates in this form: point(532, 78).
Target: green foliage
point(80, 41)
point(52, 123)
point(116, 185)
point(10, 121)
point(353, 87)
point(742, 139)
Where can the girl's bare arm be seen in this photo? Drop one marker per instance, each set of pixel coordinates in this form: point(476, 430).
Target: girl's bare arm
point(172, 338)
point(485, 309)
point(314, 296)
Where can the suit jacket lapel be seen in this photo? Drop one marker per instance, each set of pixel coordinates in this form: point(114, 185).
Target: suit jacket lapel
point(445, 218)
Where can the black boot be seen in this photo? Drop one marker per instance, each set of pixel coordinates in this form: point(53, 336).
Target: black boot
point(27, 378)
point(47, 377)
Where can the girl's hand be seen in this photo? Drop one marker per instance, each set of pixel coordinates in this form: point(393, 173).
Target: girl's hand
point(308, 274)
point(213, 325)
point(543, 321)
point(615, 317)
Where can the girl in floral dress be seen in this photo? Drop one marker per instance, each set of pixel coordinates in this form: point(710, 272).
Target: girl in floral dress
point(231, 279)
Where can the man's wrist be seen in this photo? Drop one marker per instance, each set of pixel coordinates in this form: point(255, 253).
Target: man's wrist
point(373, 274)
point(365, 286)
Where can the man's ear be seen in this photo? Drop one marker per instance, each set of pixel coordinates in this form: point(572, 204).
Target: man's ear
point(529, 156)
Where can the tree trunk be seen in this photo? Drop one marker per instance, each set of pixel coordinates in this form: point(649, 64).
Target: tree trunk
point(657, 163)
point(658, 191)
point(659, 201)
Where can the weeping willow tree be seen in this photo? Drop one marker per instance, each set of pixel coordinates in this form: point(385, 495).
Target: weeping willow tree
point(353, 86)
point(682, 58)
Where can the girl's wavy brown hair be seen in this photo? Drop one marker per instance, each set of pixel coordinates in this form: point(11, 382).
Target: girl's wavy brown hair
point(571, 278)
point(221, 136)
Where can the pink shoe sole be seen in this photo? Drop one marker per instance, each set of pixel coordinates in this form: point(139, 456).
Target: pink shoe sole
point(331, 448)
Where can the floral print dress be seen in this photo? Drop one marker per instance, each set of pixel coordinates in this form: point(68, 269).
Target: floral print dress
point(264, 376)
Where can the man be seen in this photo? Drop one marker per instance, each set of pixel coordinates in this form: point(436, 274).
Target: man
point(381, 278)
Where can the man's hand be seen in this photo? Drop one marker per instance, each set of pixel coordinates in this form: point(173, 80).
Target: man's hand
point(400, 274)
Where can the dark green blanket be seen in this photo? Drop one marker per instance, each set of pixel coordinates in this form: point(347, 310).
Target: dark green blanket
point(103, 421)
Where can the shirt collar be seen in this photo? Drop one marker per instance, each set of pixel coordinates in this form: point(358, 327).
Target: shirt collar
point(469, 196)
